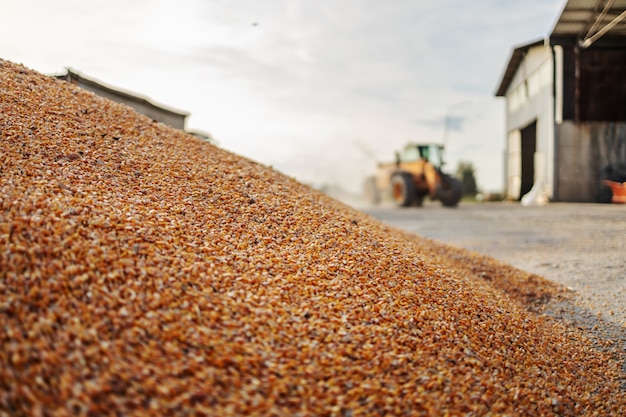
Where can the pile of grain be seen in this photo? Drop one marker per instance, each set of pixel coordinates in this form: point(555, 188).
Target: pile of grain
point(145, 272)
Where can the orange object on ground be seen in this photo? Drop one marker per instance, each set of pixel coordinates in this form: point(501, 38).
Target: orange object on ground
point(619, 191)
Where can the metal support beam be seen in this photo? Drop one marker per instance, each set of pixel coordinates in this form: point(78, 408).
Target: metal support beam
point(589, 38)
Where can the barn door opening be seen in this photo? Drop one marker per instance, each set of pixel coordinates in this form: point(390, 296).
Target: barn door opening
point(529, 147)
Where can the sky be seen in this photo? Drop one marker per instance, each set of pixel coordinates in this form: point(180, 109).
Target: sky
point(321, 90)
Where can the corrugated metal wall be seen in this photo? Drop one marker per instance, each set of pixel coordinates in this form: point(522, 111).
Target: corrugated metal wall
point(587, 153)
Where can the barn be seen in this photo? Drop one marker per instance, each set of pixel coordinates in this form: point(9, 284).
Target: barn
point(566, 106)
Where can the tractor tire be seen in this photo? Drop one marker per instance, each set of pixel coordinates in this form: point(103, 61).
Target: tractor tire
point(370, 191)
point(402, 189)
point(449, 191)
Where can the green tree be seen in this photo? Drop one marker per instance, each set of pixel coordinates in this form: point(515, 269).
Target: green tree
point(466, 173)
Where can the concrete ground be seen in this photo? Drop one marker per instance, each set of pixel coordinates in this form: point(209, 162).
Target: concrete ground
point(581, 246)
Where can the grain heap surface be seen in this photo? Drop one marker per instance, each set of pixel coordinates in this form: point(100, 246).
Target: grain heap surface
point(144, 272)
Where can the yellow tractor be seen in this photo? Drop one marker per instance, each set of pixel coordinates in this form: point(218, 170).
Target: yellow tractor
point(415, 174)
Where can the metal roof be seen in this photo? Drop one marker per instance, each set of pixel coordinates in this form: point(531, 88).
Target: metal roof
point(74, 76)
point(586, 21)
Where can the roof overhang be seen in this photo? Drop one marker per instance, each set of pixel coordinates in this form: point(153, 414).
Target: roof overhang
point(582, 23)
point(514, 62)
point(586, 22)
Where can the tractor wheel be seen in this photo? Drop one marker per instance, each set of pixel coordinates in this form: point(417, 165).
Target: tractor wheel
point(370, 191)
point(449, 191)
point(402, 189)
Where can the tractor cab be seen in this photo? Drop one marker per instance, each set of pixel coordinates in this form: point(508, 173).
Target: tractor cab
point(430, 152)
